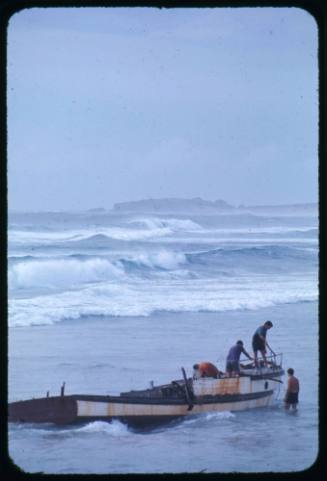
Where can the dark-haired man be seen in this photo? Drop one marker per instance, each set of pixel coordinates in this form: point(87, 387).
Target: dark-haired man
point(292, 394)
point(233, 359)
point(259, 342)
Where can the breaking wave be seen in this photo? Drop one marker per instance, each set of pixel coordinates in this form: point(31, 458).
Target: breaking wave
point(94, 235)
point(59, 273)
point(28, 271)
point(163, 260)
point(204, 417)
point(114, 428)
point(142, 298)
point(137, 264)
point(75, 270)
point(136, 230)
point(174, 225)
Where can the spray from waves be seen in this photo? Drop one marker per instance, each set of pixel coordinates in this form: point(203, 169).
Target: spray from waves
point(120, 233)
point(49, 272)
point(30, 272)
point(144, 228)
point(40, 237)
point(114, 429)
point(117, 233)
point(59, 273)
point(86, 235)
point(207, 417)
point(174, 225)
point(140, 229)
point(163, 259)
point(142, 298)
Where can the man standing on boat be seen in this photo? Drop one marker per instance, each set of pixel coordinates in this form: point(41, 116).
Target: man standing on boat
point(259, 342)
point(233, 359)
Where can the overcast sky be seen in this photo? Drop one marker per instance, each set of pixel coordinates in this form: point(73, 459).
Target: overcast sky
point(113, 104)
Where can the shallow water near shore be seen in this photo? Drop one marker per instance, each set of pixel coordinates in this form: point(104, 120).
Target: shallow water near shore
point(109, 303)
point(109, 357)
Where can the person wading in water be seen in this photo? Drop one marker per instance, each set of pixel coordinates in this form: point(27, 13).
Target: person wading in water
point(292, 394)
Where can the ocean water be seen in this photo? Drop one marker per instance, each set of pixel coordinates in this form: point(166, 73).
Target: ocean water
point(108, 302)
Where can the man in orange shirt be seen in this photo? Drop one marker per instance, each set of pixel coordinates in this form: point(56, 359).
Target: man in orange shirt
point(205, 369)
point(292, 393)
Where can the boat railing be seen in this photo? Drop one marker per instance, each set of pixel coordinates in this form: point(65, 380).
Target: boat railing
point(274, 361)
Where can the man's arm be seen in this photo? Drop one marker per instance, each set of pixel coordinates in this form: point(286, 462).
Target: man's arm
point(267, 345)
point(246, 354)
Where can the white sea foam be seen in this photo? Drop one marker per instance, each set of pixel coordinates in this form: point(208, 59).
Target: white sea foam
point(173, 224)
point(58, 237)
point(207, 417)
point(134, 234)
point(130, 279)
point(141, 298)
point(67, 272)
point(150, 229)
point(164, 259)
point(59, 273)
point(114, 428)
point(222, 415)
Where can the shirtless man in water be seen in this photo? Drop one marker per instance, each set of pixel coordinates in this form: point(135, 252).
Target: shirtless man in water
point(292, 393)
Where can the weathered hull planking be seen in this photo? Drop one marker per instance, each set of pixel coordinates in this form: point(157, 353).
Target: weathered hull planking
point(153, 406)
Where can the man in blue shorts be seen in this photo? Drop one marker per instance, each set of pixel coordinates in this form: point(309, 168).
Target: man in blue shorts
point(259, 342)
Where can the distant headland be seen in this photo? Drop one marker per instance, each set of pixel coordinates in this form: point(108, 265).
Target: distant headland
point(199, 205)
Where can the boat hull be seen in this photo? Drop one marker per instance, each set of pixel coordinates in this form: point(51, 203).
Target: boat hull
point(145, 414)
point(145, 408)
point(58, 410)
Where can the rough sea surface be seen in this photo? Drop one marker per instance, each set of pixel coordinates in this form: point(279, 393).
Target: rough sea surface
point(108, 302)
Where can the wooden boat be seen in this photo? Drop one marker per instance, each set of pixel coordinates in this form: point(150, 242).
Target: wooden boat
point(254, 388)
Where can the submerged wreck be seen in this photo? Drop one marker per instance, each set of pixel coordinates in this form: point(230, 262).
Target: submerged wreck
point(255, 387)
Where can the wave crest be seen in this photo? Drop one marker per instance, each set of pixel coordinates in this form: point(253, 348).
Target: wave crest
point(173, 224)
point(59, 273)
point(143, 298)
point(136, 230)
point(114, 428)
point(30, 272)
point(163, 259)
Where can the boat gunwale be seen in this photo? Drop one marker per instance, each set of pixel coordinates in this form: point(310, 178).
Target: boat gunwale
point(204, 399)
